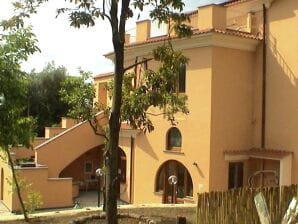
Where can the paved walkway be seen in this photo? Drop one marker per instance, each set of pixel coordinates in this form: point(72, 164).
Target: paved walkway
point(90, 199)
point(87, 200)
point(56, 213)
point(3, 209)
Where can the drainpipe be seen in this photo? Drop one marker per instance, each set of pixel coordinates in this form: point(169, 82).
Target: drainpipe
point(264, 72)
point(264, 85)
point(131, 169)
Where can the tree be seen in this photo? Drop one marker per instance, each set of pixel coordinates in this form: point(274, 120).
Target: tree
point(15, 128)
point(16, 44)
point(159, 90)
point(44, 102)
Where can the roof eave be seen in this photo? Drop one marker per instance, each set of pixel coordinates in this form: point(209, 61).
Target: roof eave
point(208, 39)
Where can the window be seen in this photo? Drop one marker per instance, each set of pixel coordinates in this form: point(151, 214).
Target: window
point(88, 167)
point(182, 79)
point(174, 139)
point(235, 175)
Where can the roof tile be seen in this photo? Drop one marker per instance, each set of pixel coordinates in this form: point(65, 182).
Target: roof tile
point(199, 32)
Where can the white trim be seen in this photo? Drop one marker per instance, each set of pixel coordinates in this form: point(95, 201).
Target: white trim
point(285, 166)
point(30, 168)
point(265, 157)
point(246, 157)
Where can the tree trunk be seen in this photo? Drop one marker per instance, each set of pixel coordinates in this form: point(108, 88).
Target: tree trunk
point(16, 184)
point(118, 33)
point(112, 154)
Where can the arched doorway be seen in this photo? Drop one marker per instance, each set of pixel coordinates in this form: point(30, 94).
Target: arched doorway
point(184, 186)
point(82, 169)
point(2, 184)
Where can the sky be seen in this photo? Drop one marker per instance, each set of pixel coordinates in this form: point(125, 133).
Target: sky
point(71, 47)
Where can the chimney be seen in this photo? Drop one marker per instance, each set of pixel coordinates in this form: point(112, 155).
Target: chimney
point(143, 30)
point(212, 16)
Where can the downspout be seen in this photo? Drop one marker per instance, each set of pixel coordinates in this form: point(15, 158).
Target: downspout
point(131, 169)
point(264, 86)
point(264, 72)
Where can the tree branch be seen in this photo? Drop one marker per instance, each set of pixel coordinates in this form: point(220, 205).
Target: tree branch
point(95, 130)
point(14, 176)
point(152, 114)
point(137, 63)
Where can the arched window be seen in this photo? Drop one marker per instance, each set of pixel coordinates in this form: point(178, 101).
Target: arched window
point(184, 186)
point(174, 139)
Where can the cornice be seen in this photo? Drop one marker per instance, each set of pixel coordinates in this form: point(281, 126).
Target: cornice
point(197, 41)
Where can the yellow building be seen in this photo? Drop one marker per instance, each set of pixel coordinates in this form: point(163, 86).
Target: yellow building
point(241, 130)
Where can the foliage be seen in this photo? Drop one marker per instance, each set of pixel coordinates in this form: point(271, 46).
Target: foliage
point(44, 102)
point(16, 44)
point(15, 47)
point(33, 201)
point(22, 10)
point(87, 12)
point(157, 88)
point(34, 198)
point(78, 93)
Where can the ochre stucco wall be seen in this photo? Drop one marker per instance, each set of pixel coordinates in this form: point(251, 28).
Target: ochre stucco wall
point(282, 74)
point(224, 98)
point(7, 188)
point(232, 109)
point(60, 152)
point(55, 192)
point(150, 148)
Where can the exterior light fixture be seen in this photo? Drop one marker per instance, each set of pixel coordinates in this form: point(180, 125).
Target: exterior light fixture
point(99, 173)
point(172, 181)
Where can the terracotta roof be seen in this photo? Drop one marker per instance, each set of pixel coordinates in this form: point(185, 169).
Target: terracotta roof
point(234, 2)
point(199, 32)
point(102, 75)
point(256, 152)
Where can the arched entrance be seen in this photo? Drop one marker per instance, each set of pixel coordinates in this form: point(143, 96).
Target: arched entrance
point(184, 186)
point(2, 184)
point(83, 168)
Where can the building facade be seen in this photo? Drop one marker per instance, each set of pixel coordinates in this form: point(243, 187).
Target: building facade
point(241, 129)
